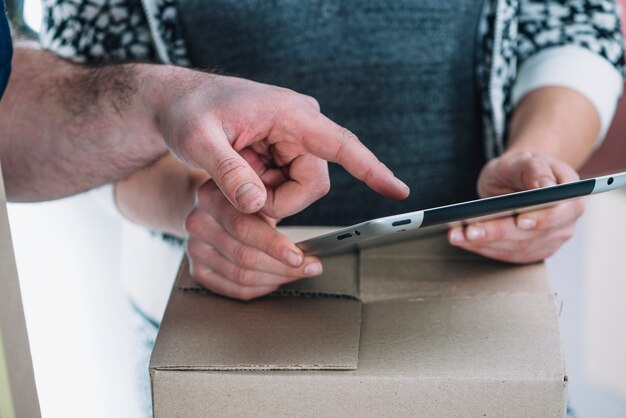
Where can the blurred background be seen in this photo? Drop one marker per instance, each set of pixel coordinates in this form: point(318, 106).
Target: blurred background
point(79, 322)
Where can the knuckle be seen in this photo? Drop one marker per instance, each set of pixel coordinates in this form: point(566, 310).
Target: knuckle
point(495, 231)
point(229, 170)
point(193, 223)
point(323, 186)
point(272, 244)
point(243, 276)
point(287, 92)
point(546, 220)
point(579, 207)
point(204, 193)
point(312, 102)
point(340, 150)
point(294, 101)
point(551, 218)
point(241, 226)
point(193, 251)
point(536, 166)
point(200, 275)
point(243, 255)
point(525, 155)
point(493, 164)
point(347, 135)
point(368, 174)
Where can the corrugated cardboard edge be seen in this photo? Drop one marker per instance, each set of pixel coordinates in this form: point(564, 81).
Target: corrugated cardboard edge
point(13, 324)
point(342, 354)
point(256, 367)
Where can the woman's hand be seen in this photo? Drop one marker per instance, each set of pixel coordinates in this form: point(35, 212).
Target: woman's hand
point(552, 132)
point(530, 236)
point(240, 255)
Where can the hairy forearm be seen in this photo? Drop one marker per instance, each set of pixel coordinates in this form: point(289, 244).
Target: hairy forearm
point(555, 121)
point(161, 195)
point(65, 128)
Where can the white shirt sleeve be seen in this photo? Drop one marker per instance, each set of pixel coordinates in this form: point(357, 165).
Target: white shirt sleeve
point(576, 68)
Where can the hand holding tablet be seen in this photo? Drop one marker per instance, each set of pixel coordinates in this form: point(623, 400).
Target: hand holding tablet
point(461, 215)
point(530, 236)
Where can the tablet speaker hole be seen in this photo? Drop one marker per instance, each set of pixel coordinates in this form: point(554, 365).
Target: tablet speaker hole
point(610, 181)
point(402, 222)
point(344, 236)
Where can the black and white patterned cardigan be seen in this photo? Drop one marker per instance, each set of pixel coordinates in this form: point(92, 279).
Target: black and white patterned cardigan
point(527, 44)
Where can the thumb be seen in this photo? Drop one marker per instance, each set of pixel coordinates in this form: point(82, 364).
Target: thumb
point(237, 180)
point(537, 172)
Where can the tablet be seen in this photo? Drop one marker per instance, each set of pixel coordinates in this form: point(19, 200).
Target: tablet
point(411, 224)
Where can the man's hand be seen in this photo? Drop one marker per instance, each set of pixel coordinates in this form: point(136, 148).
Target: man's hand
point(207, 120)
point(530, 236)
point(240, 255)
point(65, 128)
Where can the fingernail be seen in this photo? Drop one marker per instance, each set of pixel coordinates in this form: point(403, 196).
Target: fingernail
point(292, 258)
point(249, 197)
point(526, 223)
point(313, 269)
point(475, 233)
point(546, 182)
point(402, 184)
point(457, 236)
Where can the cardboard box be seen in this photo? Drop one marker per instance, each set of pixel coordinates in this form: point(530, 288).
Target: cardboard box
point(410, 329)
point(18, 394)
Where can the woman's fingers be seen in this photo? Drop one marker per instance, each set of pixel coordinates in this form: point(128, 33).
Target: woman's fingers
point(219, 284)
point(240, 255)
point(558, 216)
point(253, 230)
point(221, 247)
point(238, 273)
point(525, 226)
point(526, 251)
point(528, 247)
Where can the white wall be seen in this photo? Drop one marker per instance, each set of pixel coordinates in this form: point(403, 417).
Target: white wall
point(605, 293)
point(567, 275)
point(76, 311)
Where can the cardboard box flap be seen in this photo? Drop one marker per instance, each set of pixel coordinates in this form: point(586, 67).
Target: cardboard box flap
point(430, 267)
point(507, 337)
point(202, 331)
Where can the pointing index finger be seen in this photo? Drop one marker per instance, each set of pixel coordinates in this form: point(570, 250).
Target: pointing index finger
point(325, 139)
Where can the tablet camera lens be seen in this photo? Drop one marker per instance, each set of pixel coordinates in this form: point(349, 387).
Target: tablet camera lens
point(610, 181)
